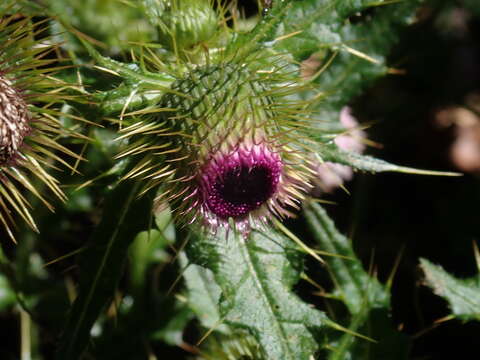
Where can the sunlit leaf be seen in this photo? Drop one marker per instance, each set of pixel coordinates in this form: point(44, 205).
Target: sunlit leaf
point(256, 276)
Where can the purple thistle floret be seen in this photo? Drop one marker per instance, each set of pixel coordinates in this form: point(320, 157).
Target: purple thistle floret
point(237, 183)
point(247, 180)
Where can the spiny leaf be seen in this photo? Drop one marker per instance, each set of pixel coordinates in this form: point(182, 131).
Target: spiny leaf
point(339, 33)
point(113, 101)
point(367, 300)
point(256, 276)
point(354, 286)
point(463, 295)
point(367, 163)
point(203, 294)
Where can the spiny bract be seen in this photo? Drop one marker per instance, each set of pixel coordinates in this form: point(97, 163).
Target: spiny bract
point(29, 106)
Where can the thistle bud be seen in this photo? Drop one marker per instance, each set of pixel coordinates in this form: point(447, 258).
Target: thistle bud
point(183, 23)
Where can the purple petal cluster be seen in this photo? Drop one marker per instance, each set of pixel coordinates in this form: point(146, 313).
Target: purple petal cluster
point(234, 184)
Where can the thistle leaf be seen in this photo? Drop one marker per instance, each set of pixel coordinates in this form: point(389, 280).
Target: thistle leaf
point(367, 163)
point(462, 295)
point(203, 294)
point(256, 276)
point(113, 101)
point(367, 300)
point(129, 71)
point(354, 286)
point(351, 53)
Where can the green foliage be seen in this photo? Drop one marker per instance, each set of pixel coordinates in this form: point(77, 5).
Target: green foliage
point(462, 295)
point(367, 300)
point(256, 276)
point(349, 39)
point(368, 163)
point(203, 294)
point(7, 294)
point(353, 285)
point(102, 263)
point(115, 23)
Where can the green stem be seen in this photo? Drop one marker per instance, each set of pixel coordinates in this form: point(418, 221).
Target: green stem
point(101, 265)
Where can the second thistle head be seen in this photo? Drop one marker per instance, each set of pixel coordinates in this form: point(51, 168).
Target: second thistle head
point(14, 119)
point(31, 103)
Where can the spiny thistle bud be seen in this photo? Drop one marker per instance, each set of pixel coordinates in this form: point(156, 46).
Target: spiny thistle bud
point(29, 103)
point(224, 139)
point(182, 23)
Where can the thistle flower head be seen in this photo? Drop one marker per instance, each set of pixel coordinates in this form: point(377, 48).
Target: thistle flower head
point(14, 119)
point(227, 152)
point(29, 104)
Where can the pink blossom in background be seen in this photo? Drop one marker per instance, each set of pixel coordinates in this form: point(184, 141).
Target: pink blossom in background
point(465, 149)
point(332, 175)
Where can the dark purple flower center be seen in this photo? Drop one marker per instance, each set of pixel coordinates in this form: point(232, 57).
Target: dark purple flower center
point(243, 187)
